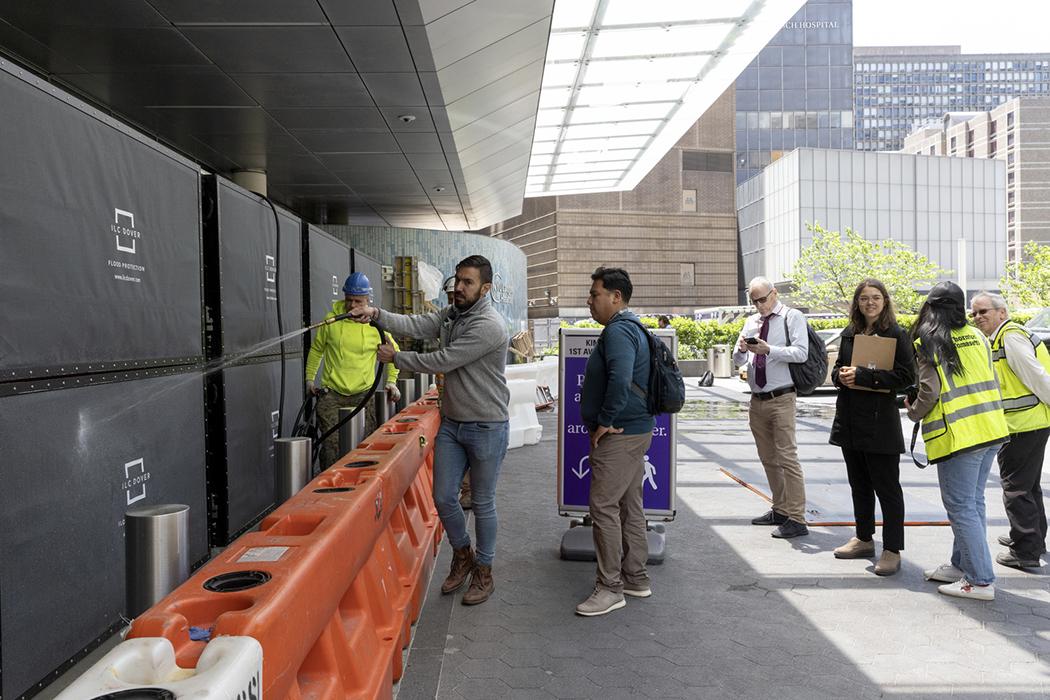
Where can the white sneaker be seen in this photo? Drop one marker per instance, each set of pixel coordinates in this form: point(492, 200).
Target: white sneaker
point(637, 591)
point(964, 589)
point(600, 602)
point(946, 573)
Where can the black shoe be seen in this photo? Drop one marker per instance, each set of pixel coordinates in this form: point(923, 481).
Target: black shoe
point(770, 517)
point(790, 529)
point(1012, 559)
point(1005, 541)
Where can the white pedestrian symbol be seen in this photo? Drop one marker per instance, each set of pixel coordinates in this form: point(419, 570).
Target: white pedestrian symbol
point(650, 473)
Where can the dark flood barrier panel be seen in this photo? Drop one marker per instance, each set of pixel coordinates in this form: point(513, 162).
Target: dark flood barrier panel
point(243, 421)
point(100, 257)
point(359, 262)
point(242, 281)
point(74, 461)
point(328, 265)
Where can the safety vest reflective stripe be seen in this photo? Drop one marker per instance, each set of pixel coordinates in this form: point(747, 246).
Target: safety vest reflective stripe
point(934, 426)
point(1020, 403)
point(999, 353)
point(955, 392)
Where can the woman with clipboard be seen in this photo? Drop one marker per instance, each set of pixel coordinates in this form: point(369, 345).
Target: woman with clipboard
point(876, 361)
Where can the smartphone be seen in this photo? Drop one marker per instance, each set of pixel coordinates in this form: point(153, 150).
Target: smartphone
point(751, 341)
point(912, 393)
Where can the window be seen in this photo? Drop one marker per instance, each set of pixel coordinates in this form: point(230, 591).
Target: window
point(706, 161)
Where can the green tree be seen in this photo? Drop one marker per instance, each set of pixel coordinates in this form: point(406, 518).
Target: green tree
point(830, 267)
point(1027, 282)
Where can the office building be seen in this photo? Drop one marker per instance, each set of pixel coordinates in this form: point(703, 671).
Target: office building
point(675, 232)
point(1016, 132)
point(798, 91)
point(927, 202)
point(900, 87)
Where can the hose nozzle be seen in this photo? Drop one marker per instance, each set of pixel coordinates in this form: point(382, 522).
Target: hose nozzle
point(340, 317)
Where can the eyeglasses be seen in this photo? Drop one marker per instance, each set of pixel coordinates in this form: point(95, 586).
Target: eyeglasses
point(760, 300)
point(980, 312)
point(874, 300)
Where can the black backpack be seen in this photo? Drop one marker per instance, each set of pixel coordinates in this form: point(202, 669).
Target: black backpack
point(810, 373)
point(666, 391)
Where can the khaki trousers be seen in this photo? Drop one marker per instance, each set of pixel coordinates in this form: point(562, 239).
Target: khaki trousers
point(617, 468)
point(773, 425)
point(328, 415)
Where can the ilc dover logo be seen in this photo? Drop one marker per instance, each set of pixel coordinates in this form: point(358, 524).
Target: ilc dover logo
point(270, 270)
point(135, 478)
point(127, 240)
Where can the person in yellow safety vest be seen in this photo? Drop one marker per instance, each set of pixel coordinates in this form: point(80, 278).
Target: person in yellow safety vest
point(963, 425)
point(1022, 363)
point(349, 353)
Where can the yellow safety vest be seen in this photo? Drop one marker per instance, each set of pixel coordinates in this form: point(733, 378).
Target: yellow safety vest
point(969, 411)
point(1024, 411)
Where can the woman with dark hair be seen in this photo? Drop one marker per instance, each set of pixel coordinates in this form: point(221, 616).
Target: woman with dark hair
point(963, 423)
point(868, 429)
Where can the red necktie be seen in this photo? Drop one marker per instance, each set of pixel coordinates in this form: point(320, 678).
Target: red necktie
point(760, 360)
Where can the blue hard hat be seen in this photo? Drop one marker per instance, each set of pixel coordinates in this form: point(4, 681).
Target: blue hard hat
point(357, 285)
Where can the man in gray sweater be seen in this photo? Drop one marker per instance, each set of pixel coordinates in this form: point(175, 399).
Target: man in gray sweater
point(474, 418)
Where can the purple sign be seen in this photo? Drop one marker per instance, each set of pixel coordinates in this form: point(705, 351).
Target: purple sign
point(574, 471)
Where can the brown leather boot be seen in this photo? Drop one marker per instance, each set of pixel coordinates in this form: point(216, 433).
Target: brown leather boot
point(481, 585)
point(462, 563)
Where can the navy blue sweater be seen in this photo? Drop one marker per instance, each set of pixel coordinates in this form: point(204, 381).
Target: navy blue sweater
point(620, 357)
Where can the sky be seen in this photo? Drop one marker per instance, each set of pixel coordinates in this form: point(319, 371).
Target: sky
point(980, 26)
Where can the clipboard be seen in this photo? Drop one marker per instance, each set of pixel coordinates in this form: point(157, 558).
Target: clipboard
point(873, 352)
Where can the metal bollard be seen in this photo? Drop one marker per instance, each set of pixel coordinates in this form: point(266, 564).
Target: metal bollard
point(422, 383)
point(383, 408)
point(408, 393)
point(352, 432)
point(293, 467)
point(156, 553)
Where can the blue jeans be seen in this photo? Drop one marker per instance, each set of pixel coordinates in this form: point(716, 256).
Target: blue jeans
point(480, 448)
point(963, 478)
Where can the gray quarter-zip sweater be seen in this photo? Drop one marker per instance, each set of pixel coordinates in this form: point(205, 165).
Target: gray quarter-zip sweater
point(473, 356)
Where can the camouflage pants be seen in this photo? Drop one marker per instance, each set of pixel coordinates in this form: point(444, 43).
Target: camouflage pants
point(328, 415)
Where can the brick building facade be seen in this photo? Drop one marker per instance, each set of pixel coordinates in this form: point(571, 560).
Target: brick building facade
point(675, 233)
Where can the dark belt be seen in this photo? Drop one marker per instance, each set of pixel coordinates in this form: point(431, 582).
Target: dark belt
point(767, 395)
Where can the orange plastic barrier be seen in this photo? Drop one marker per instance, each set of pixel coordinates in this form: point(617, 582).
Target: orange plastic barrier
point(334, 578)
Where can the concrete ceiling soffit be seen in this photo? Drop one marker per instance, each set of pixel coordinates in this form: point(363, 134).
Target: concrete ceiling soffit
point(488, 58)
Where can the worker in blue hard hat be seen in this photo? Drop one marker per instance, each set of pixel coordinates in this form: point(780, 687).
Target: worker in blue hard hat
point(348, 351)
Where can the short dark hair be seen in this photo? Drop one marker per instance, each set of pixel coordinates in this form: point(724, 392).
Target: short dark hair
point(615, 278)
point(480, 263)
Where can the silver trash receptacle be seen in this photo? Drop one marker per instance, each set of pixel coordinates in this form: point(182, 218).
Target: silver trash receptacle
point(157, 553)
point(293, 466)
point(720, 361)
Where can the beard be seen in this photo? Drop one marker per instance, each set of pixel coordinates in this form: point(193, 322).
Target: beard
point(463, 303)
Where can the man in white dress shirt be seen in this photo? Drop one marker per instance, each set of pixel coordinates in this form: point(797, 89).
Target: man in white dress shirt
point(770, 340)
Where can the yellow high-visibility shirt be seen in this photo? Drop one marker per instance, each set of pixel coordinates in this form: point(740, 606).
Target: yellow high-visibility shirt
point(349, 352)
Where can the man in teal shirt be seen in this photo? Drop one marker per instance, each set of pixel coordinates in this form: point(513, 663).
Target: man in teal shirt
point(613, 408)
